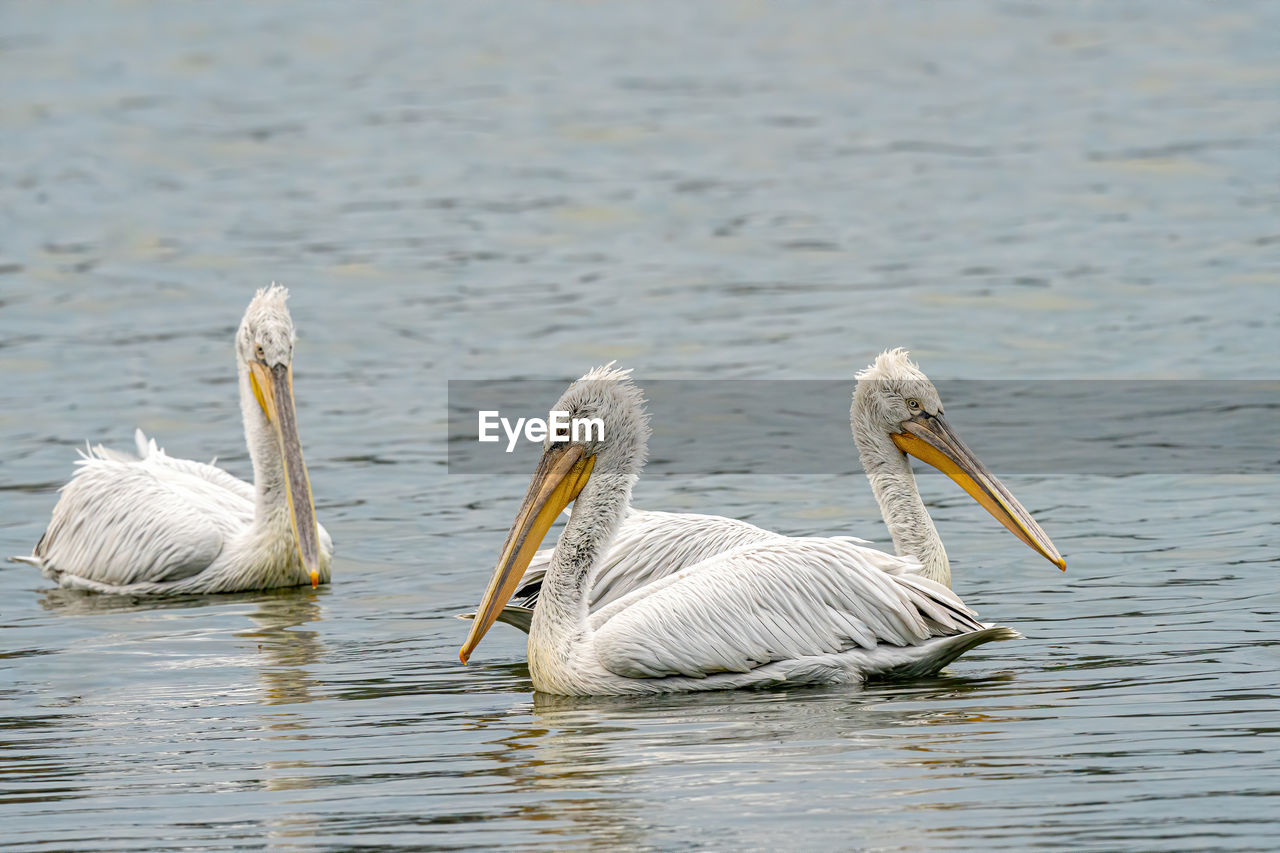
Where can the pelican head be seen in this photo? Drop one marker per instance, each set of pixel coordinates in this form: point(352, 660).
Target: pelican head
point(896, 409)
point(264, 353)
point(600, 465)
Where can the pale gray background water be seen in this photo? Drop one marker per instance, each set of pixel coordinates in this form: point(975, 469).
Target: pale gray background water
point(752, 190)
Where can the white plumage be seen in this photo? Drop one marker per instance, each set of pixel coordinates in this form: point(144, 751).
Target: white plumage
point(813, 610)
point(805, 596)
point(650, 545)
point(155, 525)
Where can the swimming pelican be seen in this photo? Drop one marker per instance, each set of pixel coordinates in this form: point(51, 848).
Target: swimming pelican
point(155, 525)
point(785, 610)
point(650, 545)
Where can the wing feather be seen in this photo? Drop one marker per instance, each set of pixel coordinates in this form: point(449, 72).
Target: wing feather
point(156, 456)
point(650, 546)
point(122, 521)
point(778, 600)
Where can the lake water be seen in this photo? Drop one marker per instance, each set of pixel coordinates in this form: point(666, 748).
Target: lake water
point(701, 191)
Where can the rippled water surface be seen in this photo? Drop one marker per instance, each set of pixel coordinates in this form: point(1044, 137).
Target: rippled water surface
point(700, 191)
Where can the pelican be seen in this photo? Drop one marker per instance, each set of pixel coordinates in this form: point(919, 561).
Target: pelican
point(156, 525)
point(651, 545)
point(782, 610)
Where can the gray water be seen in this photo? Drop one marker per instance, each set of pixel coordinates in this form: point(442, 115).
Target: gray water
point(482, 191)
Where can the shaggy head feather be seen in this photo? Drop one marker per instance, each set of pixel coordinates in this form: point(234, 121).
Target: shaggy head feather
point(266, 332)
point(608, 393)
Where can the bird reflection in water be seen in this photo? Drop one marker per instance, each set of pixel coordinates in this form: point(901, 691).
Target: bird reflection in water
point(275, 648)
point(283, 654)
point(284, 650)
point(804, 714)
point(581, 789)
point(594, 760)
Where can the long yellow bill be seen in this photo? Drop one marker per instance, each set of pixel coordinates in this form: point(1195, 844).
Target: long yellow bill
point(929, 438)
point(562, 472)
point(273, 387)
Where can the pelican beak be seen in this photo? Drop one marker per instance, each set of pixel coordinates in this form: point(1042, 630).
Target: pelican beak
point(273, 388)
point(562, 472)
point(929, 438)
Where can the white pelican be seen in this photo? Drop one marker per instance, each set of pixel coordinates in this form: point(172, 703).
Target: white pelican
point(790, 610)
point(651, 545)
point(155, 525)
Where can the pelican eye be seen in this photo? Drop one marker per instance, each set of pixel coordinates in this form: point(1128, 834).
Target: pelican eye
point(262, 354)
point(913, 404)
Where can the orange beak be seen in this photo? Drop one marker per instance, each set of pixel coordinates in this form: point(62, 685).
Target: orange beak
point(562, 472)
point(273, 388)
point(929, 438)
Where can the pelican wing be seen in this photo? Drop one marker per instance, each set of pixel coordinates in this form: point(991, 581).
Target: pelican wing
point(774, 601)
point(148, 450)
point(648, 547)
point(122, 521)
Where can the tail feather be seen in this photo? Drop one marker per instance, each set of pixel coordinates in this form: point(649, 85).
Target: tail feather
point(883, 662)
point(98, 451)
point(146, 446)
point(937, 653)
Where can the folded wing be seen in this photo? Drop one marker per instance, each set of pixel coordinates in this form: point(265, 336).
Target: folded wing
point(650, 546)
point(780, 600)
point(123, 521)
